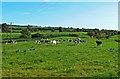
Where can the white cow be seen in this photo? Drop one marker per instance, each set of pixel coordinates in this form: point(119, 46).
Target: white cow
point(54, 42)
point(79, 39)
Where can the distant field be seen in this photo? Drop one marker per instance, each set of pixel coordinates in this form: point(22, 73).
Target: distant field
point(27, 59)
point(45, 33)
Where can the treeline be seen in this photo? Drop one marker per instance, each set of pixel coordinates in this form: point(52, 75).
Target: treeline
point(26, 31)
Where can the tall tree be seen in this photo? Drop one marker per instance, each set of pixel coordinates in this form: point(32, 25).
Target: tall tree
point(5, 27)
point(28, 27)
point(77, 30)
point(60, 29)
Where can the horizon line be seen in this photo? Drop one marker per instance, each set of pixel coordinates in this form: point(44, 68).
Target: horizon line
point(64, 26)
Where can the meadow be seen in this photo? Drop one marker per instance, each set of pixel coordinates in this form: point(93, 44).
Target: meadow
point(28, 59)
point(45, 33)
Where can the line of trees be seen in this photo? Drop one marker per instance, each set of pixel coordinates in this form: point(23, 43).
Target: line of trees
point(103, 33)
point(26, 32)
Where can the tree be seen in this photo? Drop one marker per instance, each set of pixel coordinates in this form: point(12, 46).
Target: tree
point(5, 27)
point(28, 27)
point(60, 29)
point(100, 35)
point(36, 30)
point(25, 33)
point(65, 29)
point(91, 33)
point(118, 32)
point(36, 35)
point(53, 30)
point(77, 30)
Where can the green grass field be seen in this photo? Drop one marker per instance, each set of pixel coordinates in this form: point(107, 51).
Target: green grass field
point(45, 33)
point(27, 59)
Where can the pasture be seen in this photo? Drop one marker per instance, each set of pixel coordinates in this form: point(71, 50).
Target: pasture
point(27, 59)
point(45, 34)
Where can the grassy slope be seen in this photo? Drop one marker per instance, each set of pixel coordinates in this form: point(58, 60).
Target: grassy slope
point(17, 35)
point(64, 59)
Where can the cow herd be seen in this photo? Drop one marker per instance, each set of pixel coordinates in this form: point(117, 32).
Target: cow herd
point(12, 41)
point(54, 42)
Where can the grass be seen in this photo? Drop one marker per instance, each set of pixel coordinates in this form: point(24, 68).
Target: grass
point(44, 32)
point(27, 59)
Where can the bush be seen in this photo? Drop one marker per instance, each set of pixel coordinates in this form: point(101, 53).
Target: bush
point(36, 30)
point(37, 35)
point(25, 33)
point(53, 30)
point(91, 33)
point(108, 36)
point(100, 35)
point(74, 35)
point(23, 36)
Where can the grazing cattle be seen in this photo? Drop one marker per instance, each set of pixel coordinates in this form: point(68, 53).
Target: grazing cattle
point(50, 41)
point(41, 41)
point(38, 41)
point(71, 41)
point(99, 43)
point(68, 40)
point(78, 42)
point(14, 41)
point(60, 38)
point(58, 41)
point(54, 42)
point(64, 40)
point(75, 41)
point(79, 39)
point(6, 42)
point(46, 41)
point(84, 41)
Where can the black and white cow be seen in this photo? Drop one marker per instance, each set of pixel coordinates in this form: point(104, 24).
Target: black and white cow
point(64, 40)
point(71, 41)
point(99, 43)
point(84, 41)
point(75, 41)
point(14, 41)
point(60, 38)
point(46, 41)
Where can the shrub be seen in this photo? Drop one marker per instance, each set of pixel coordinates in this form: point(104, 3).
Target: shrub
point(91, 33)
point(37, 35)
point(100, 35)
point(25, 33)
point(74, 35)
point(53, 30)
point(108, 36)
point(23, 36)
point(36, 30)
